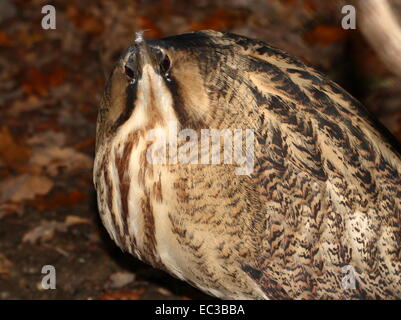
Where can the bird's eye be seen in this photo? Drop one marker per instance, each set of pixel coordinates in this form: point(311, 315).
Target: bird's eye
point(165, 65)
point(129, 73)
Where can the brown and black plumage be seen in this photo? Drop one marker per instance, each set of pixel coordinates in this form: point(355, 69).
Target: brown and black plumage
point(324, 193)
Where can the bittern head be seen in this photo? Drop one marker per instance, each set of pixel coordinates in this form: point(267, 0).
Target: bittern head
point(193, 78)
point(153, 81)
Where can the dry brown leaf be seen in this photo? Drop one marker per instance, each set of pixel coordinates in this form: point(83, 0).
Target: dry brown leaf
point(53, 159)
point(5, 266)
point(51, 123)
point(121, 279)
point(48, 138)
point(152, 30)
point(24, 187)
point(74, 220)
point(310, 5)
point(325, 35)
point(288, 2)
point(59, 200)
point(85, 22)
point(30, 104)
point(13, 154)
point(46, 230)
point(7, 209)
point(29, 38)
point(5, 39)
point(164, 292)
point(39, 82)
point(221, 19)
point(122, 295)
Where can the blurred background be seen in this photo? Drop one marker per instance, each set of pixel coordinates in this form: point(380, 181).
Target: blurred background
point(50, 86)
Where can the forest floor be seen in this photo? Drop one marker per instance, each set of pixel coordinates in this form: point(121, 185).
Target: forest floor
point(50, 86)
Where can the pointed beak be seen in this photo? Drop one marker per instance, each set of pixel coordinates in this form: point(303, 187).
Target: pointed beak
point(141, 54)
point(144, 55)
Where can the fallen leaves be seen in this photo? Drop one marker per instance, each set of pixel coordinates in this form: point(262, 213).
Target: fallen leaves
point(45, 163)
point(30, 104)
point(7, 209)
point(36, 164)
point(84, 21)
point(50, 84)
point(121, 279)
point(28, 39)
point(13, 153)
point(5, 39)
point(39, 82)
point(47, 138)
point(123, 295)
point(54, 160)
point(59, 200)
point(24, 187)
point(325, 35)
point(46, 230)
point(221, 19)
point(5, 266)
point(152, 30)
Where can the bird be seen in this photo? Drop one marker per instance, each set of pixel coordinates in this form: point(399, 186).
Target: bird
point(311, 211)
